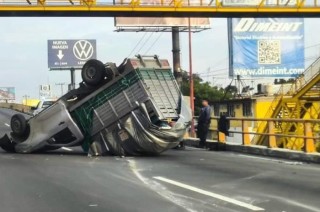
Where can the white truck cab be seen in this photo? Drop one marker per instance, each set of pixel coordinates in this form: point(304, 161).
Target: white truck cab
point(43, 104)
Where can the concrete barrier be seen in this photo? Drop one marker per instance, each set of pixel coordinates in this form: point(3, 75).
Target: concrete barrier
point(258, 150)
point(17, 107)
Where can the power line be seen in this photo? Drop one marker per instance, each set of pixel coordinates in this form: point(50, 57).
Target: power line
point(226, 68)
point(156, 40)
point(137, 44)
point(142, 38)
point(145, 42)
point(314, 45)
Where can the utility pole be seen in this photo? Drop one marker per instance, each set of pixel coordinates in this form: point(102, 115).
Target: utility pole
point(61, 84)
point(26, 98)
point(73, 79)
point(191, 76)
point(176, 55)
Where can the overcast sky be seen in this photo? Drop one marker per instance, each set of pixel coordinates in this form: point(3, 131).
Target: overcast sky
point(23, 45)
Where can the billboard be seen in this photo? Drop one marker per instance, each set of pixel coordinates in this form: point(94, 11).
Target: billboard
point(45, 91)
point(64, 54)
point(7, 93)
point(266, 47)
point(163, 22)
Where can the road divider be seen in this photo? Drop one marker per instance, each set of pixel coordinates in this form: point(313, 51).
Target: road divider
point(257, 150)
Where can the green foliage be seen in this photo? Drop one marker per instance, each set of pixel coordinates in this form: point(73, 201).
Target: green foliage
point(202, 90)
point(231, 89)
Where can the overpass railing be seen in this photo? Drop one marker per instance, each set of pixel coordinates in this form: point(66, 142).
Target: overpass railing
point(175, 6)
point(172, 3)
point(305, 138)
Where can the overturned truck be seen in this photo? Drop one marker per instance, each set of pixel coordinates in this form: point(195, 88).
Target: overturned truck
point(132, 109)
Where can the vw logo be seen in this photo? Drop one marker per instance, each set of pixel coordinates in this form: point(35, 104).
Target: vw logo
point(83, 50)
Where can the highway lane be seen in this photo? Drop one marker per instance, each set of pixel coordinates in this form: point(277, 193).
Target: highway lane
point(5, 116)
point(271, 184)
point(190, 180)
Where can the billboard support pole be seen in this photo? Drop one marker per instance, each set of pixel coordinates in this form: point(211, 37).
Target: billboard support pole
point(73, 84)
point(230, 46)
point(176, 55)
point(61, 84)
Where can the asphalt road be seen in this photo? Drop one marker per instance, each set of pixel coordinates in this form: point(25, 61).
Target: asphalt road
point(190, 180)
point(5, 120)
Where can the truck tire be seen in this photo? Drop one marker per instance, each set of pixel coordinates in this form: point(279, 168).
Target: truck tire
point(93, 72)
point(110, 74)
point(18, 124)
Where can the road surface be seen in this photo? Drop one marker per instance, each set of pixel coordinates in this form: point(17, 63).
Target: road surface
point(190, 180)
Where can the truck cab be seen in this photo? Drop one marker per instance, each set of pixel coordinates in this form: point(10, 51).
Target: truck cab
point(43, 104)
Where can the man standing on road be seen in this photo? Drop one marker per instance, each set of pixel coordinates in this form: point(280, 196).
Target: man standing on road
point(204, 123)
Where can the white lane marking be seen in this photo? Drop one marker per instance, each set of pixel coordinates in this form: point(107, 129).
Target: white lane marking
point(272, 160)
point(159, 189)
point(8, 125)
point(210, 194)
point(67, 149)
point(298, 204)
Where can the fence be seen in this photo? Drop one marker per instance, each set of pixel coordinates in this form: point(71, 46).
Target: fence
point(307, 140)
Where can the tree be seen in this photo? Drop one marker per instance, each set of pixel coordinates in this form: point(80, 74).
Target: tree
point(231, 89)
point(202, 90)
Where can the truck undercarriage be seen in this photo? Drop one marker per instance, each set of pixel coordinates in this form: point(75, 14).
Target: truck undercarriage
point(133, 109)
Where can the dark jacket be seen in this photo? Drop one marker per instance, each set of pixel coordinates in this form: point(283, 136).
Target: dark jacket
point(205, 115)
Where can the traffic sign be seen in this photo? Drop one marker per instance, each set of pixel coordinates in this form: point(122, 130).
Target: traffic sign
point(64, 54)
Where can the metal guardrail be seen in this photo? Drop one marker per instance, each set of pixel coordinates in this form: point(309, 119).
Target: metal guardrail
point(310, 140)
point(309, 74)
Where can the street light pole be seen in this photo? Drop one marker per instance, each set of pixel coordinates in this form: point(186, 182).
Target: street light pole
point(191, 76)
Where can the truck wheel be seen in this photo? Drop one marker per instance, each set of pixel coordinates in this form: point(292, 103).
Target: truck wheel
point(109, 74)
point(18, 124)
point(93, 72)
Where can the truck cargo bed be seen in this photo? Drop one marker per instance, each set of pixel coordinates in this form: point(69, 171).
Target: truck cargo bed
point(146, 82)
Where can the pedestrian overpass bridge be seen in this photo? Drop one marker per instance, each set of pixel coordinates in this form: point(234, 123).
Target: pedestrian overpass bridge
point(161, 8)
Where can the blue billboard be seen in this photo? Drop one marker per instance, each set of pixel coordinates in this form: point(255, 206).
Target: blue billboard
point(266, 47)
point(64, 54)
